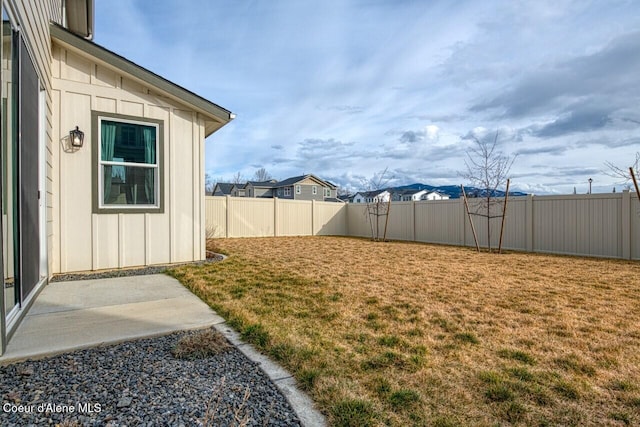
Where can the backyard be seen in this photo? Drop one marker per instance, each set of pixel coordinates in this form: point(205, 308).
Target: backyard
point(413, 334)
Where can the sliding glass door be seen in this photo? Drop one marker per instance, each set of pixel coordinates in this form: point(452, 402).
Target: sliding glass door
point(8, 164)
point(21, 176)
point(28, 183)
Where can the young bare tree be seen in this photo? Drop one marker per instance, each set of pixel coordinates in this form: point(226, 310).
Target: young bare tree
point(487, 169)
point(377, 207)
point(262, 175)
point(623, 174)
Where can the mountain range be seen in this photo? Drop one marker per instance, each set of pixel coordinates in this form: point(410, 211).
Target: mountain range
point(454, 191)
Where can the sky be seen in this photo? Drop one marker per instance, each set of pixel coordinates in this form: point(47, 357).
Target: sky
point(345, 89)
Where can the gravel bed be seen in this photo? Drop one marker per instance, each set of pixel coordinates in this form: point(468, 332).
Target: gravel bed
point(140, 383)
point(153, 269)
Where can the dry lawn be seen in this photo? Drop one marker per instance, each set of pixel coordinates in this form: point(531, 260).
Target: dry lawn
point(412, 334)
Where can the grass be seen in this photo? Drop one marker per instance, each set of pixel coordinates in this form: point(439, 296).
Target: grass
point(411, 334)
point(200, 345)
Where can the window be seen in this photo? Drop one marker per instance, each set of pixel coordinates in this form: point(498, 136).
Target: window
point(314, 189)
point(327, 192)
point(287, 191)
point(128, 152)
point(298, 189)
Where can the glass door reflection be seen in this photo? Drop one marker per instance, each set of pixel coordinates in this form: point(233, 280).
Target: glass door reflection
point(8, 163)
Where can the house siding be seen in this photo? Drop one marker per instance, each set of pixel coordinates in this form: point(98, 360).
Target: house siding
point(306, 192)
point(281, 195)
point(84, 240)
point(253, 191)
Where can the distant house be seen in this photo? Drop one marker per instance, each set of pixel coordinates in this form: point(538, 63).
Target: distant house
point(434, 195)
point(223, 189)
point(262, 189)
point(407, 195)
point(372, 196)
point(346, 198)
point(306, 187)
point(303, 187)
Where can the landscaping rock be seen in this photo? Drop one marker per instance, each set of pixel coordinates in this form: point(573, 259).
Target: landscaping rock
point(141, 383)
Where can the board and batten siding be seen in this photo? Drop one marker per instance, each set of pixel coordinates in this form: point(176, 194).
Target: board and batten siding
point(84, 240)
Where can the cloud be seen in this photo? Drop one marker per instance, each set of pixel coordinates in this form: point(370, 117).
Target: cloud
point(504, 134)
point(478, 132)
point(316, 154)
point(559, 172)
point(346, 109)
point(575, 121)
point(584, 78)
point(411, 137)
point(553, 150)
point(432, 132)
point(345, 90)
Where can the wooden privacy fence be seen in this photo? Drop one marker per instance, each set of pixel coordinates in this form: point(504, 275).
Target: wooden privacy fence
point(602, 225)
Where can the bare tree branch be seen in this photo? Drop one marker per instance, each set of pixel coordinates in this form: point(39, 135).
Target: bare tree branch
point(237, 178)
point(622, 174)
point(262, 175)
point(378, 181)
point(209, 184)
point(487, 168)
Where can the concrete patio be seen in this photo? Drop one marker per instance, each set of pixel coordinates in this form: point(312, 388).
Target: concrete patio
point(84, 313)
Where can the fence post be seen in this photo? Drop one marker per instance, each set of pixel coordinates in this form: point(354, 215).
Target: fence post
point(463, 223)
point(313, 217)
point(528, 218)
point(413, 210)
point(346, 218)
point(227, 203)
point(276, 232)
point(625, 223)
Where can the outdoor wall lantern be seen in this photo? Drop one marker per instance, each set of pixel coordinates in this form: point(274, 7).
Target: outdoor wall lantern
point(76, 136)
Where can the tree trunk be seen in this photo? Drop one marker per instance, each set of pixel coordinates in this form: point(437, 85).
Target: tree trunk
point(489, 221)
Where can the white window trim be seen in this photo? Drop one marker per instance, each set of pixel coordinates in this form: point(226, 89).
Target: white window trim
point(314, 189)
point(287, 191)
point(298, 189)
point(101, 163)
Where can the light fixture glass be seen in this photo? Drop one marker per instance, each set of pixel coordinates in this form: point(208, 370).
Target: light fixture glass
point(76, 136)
